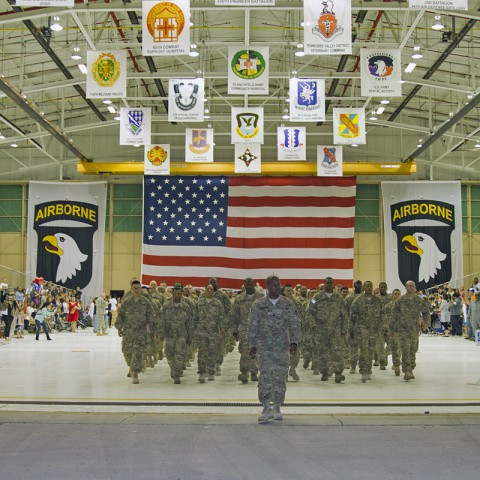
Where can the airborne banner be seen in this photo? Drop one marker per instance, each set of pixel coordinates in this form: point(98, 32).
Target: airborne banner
point(423, 233)
point(66, 230)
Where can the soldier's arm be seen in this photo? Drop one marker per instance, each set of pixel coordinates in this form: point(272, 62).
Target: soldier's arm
point(294, 325)
point(235, 317)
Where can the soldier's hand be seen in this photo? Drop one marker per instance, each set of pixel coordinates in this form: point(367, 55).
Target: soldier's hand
point(235, 336)
point(253, 352)
point(293, 348)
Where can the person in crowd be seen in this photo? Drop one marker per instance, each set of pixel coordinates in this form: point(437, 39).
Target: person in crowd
point(407, 319)
point(474, 314)
point(135, 322)
point(239, 319)
point(455, 309)
point(41, 317)
point(444, 311)
point(274, 331)
point(101, 305)
point(8, 310)
point(351, 349)
point(73, 308)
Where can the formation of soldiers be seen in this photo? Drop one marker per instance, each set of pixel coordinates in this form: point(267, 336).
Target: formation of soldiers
point(339, 330)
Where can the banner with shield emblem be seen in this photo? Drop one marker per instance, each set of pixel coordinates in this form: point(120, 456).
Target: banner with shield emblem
point(199, 145)
point(291, 143)
point(329, 161)
point(307, 100)
point(135, 126)
point(107, 74)
point(185, 100)
point(247, 125)
point(423, 233)
point(349, 126)
point(157, 160)
point(248, 70)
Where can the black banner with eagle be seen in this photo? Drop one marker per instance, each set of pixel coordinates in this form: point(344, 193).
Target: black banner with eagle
point(423, 238)
point(66, 234)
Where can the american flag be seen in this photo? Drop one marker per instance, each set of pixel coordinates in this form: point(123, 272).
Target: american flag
point(298, 228)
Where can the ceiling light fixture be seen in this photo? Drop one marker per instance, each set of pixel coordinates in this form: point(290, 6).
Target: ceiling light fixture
point(14, 145)
point(111, 109)
point(380, 110)
point(285, 115)
point(107, 101)
point(83, 68)
point(477, 145)
point(385, 101)
point(438, 24)
point(410, 67)
point(56, 26)
point(354, 145)
point(299, 52)
point(76, 54)
point(117, 118)
point(417, 54)
point(193, 50)
point(2, 137)
point(420, 143)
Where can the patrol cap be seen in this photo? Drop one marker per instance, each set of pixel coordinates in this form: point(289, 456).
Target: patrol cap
point(178, 286)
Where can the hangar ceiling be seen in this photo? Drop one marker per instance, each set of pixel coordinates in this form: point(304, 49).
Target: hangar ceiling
point(45, 112)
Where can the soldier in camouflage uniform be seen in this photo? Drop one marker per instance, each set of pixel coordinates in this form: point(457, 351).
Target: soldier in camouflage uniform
point(351, 350)
point(209, 326)
point(366, 316)
point(135, 323)
point(406, 322)
point(308, 342)
point(326, 316)
point(295, 357)
point(240, 313)
point(274, 330)
point(177, 328)
point(392, 341)
point(383, 332)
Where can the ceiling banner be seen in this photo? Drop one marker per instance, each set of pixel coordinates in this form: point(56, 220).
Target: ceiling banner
point(327, 27)
point(166, 28)
point(307, 100)
point(45, 3)
point(349, 126)
point(291, 144)
point(381, 72)
point(248, 70)
point(107, 74)
point(246, 3)
point(157, 160)
point(247, 125)
point(135, 126)
point(248, 158)
point(329, 161)
point(439, 4)
point(199, 145)
point(186, 100)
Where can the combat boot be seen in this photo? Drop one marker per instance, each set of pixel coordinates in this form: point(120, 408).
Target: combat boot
point(211, 378)
point(266, 414)
point(324, 377)
point(277, 414)
point(339, 377)
point(177, 380)
point(243, 377)
point(383, 366)
point(364, 378)
point(135, 379)
point(293, 373)
point(201, 378)
point(397, 371)
point(354, 368)
point(218, 371)
point(316, 371)
point(306, 363)
point(254, 376)
point(406, 376)
point(412, 376)
point(150, 361)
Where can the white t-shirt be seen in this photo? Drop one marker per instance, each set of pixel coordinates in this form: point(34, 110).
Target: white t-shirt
point(113, 304)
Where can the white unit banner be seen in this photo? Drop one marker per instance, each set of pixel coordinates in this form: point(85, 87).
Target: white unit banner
point(349, 126)
point(157, 160)
point(248, 70)
point(248, 158)
point(291, 143)
point(439, 4)
point(199, 145)
point(135, 126)
point(327, 27)
point(185, 100)
point(307, 100)
point(247, 125)
point(66, 232)
point(246, 3)
point(45, 3)
point(107, 74)
point(381, 73)
point(166, 28)
point(329, 161)
point(423, 233)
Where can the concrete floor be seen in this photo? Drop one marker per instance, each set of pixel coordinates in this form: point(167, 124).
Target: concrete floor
point(67, 411)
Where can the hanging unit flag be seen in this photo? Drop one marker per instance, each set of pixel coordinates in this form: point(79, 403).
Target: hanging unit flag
point(349, 126)
point(439, 4)
point(246, 3)
point(66, 231)
point(327, 27)
point(329, 161)
point(135, 126)
point(166, 28)
point(45, 3)
point(247, 125)
point(423, 233)
point(381, 73)
point(248, 158)
point(107, 74)
point(199, 145)
point(185, 100)
point(248, 70)
point(157, 160)
point(299, 228)
point(291, 143)
point(307, 100)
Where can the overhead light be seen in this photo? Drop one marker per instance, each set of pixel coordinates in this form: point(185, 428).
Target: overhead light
point(14, 145)
point(111, 109)
point(107, 101)
point(136, 145)
point(373, 116)
point(193, 50)
point(294, 73)
point(299, 52)
point(385, 101)
point(55, 26)
point(117, 118)
point(410, 67)
point(302, 24)
point(417, 54)
point(2, 137)
point(380, 110)
point(470, 96)
point(477, 145)
point(285, 115)
point(420, 143)
point(438, 24)
point(76, 54)
point(354, 145)
point(83, 68)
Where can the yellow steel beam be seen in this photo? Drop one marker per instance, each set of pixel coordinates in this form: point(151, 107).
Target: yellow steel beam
point(227, 168)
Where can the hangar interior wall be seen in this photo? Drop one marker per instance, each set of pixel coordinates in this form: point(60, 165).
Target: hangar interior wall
point(123, 237)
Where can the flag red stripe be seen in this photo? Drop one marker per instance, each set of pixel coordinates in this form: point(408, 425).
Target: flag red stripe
point(296, 243)
point(248, 264)
point(292, 181)
point(286, 222)
point(287, 201)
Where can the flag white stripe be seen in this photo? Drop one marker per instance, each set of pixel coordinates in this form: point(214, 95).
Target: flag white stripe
point(297, 232)
point(293, 191)
point(294, 212)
